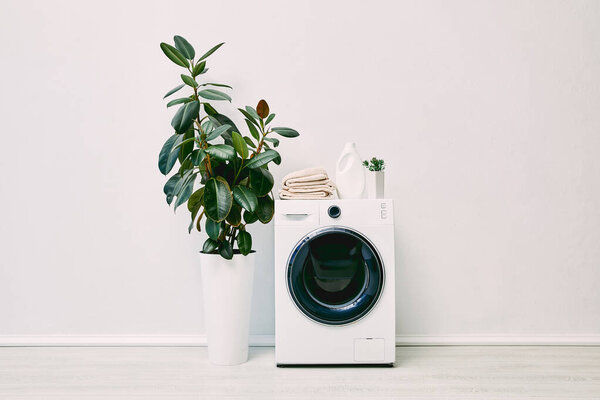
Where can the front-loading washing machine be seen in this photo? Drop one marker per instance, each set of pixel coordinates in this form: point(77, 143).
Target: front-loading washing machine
point(334, 282)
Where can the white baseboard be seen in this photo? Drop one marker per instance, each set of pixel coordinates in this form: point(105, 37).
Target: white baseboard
point(269, 340)
point(498, 340)
point(121, 340)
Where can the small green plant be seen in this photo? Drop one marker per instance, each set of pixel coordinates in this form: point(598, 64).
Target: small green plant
point(235, 185)
point(375, 165)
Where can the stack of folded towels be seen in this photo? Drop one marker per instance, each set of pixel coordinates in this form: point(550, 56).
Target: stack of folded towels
point(307, 184)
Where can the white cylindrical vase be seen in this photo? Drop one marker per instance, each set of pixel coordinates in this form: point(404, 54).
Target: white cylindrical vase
point(227, 293)
point(375, 184)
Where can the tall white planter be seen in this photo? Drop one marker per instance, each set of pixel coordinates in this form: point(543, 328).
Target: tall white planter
point(227, 290)
point(375, 184)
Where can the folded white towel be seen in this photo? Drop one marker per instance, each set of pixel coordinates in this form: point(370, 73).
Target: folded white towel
point(310, 188)
point(285, 195)
point(320, 182)
point(309, 183)
point(305, 175)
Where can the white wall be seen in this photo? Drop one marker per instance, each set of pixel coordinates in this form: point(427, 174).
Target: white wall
point(486, 112)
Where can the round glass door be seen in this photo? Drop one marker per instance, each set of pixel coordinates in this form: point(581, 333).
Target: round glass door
point(335, 275)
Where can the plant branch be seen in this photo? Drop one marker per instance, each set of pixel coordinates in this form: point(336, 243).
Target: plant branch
point(233, 235)
point(198, 121)
point(262, 139)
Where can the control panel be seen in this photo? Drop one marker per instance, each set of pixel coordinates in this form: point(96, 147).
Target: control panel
point(383, 210)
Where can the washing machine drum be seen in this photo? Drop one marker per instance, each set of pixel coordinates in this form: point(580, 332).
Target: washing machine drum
point(335, 276)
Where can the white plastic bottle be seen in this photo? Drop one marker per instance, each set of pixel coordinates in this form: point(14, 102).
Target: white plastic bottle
point(350, 174)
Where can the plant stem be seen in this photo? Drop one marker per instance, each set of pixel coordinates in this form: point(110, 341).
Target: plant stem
point(225, 232)
point(262, 141)
point(239, 171)
point(233, 234)
point(198, 121)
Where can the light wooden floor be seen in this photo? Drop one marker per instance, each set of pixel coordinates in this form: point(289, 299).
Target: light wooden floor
point(184, 373)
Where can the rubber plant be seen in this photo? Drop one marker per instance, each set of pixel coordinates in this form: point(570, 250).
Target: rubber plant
point(222, 176)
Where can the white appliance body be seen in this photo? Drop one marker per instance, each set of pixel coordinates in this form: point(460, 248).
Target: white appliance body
point(353, 325)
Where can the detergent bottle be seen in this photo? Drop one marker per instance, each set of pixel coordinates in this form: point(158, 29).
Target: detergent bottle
point(350, 174)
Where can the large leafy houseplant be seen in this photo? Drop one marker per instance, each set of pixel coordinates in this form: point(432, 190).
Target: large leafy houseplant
point(222, 175)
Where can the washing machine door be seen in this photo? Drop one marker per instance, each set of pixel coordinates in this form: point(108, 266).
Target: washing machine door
point(335, 275)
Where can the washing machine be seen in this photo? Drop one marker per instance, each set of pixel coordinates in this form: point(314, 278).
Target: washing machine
point(334, 282)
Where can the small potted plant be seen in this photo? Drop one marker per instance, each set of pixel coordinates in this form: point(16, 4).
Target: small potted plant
point(375, 178)
point(224, 179)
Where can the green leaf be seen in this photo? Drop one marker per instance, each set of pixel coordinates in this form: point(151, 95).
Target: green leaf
point(184, 117)
point(174, 55)
point(234, 218)
point(213, 94)
point(187, 147)
point(226, 121)
point(213, 229)
point(265, 209)
point(195, 200)
point(196, 210)
point(244, 241)
point(188, 80)
point(261, 181)
point(210, 110)
point(215, 133)
point(210, 245)
point(253, 130)
point(245, 198)
point(263, 158)
point(225, 250)
point(213, 120)
point(217, 199)
point(186, 164)
point(286, 132)
point(198, 156)
point(250, 218)
point(194, 214)
point(273, 140)
point(249, 142)
point(175, 89)
point(176, 121)
point(208, 53)
point(191, 225)
point(240, 146)
point(184, 179)
point(167, 158)
point(178, 101)
point(169, 186)
point(252, 111)
point(198, 222)
point(187, 191)
point(221, 151)
point(183, 143)
point(250, 117)
point(269, 119)
point(184, 47)
point(216, 84)
point(198, 69)
point(208, 126)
